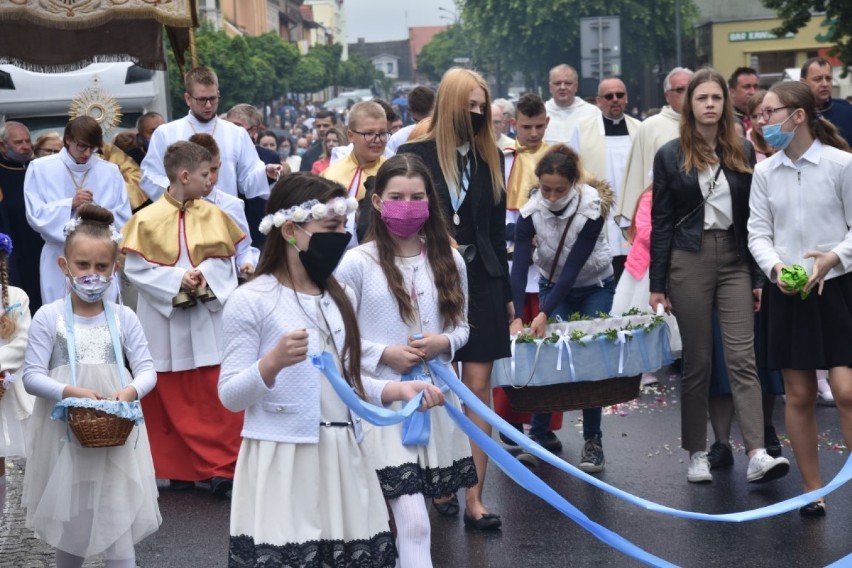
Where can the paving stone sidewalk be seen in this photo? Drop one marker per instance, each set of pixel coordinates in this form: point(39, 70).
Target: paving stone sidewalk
point(19, 548)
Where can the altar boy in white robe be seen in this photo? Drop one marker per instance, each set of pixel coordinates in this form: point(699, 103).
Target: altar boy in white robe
point(180, 255)
point(55, 185)
point(247, 255)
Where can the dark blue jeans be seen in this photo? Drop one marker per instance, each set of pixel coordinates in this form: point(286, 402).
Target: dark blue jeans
point(586, 300)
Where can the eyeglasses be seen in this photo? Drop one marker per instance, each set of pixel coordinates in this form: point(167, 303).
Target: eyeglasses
point(609, 96)
point(84, 147)
point(678, 90)
point(204, 101)
point(372, 136)
point(767, 113)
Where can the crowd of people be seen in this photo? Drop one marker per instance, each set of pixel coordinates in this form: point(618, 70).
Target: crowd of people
point(209, 259)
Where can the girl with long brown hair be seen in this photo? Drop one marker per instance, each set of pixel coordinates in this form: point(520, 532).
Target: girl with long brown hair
point(304, 488)
point(700, 259)
point(408, 253)
point(466, 167)
point(801, 213)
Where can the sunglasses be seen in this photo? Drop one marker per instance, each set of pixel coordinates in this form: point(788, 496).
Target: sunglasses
point(610, 96)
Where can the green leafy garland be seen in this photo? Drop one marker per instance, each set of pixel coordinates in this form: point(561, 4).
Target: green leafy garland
point(582, 338)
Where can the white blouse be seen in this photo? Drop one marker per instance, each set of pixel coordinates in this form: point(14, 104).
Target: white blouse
point(801, 207)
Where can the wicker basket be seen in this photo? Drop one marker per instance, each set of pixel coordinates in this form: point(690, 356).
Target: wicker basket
point(573, 396)
point(98, 429)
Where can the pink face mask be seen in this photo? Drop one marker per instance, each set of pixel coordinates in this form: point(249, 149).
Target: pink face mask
point(405, 218)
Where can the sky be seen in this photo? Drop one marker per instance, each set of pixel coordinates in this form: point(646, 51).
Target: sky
point(385, 20)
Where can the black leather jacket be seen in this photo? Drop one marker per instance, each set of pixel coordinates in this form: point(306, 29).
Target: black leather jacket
point(676, 194)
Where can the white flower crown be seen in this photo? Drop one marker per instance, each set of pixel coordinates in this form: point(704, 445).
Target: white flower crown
point(71, 226)
point(313, 210)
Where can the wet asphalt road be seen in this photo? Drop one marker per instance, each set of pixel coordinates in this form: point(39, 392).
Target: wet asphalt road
point(642, 456)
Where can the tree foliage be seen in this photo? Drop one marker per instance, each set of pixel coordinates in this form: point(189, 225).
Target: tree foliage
point(309, 76)
point(357, 72)
point(438, 55)
point(532, 37)
point(795, 14)
point(255, 69)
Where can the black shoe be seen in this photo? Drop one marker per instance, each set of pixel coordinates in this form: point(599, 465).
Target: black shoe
point(720, 456)
point(528, 460)
point(221, 486)
point(181, 485)
point(487, 522)
point(592, 458)
point(548, 441)
point(449, 508)
point(771, 442)
point(815, 509)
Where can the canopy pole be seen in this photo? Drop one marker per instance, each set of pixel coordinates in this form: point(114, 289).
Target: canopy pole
point(192, 52)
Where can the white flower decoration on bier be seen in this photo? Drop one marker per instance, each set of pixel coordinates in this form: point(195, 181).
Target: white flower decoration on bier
point(71, 226)
point(312, 210)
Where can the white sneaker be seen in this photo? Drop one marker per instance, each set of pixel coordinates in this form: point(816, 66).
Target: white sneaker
point(699, 468)
point(762, 467)
point(824, 396)
point(648, 379)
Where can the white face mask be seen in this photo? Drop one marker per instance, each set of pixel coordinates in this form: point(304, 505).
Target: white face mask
point(90, 287)
point(560, 203)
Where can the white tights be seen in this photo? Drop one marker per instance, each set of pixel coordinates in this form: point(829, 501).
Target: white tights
point(67, 560)
point(413, 531)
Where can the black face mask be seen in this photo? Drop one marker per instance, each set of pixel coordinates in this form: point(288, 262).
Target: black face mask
point(478, 121)
point(323, 255)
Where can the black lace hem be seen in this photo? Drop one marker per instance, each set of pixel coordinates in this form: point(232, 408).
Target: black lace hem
point(377, 552)
point(410, 479)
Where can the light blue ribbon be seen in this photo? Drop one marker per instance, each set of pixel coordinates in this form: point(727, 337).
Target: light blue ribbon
point(369, 412)
point(471, 401)
point(417, 428)
point(526, 479)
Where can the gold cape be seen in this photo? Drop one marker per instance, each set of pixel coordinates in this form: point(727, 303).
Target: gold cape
point(522, 176)
point(344, 171)
point(154, 232)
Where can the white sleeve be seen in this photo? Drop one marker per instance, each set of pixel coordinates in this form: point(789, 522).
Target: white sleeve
point(221, 277)
point(240, 383)
point(136, 348)
point(121, 206)
point(158, 283)
point(373, 390)
point(12, 354)
point(350, 273)
point(760, 226)
point(246, 253)
point(36, 377)
point(844, 249)
point(47, 211)
point(250, 169)
point(459, 334)
point(154, 179)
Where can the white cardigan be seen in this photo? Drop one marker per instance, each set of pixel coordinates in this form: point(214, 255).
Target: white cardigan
point(255, 318)
point(802, 207)
point(378, 312)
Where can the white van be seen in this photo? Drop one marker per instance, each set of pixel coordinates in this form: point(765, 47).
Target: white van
point(41, 100)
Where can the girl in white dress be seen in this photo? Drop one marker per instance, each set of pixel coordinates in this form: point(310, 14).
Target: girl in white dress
point(88, 501)
point(408, 253)
point(305, 490)
point(16, 405)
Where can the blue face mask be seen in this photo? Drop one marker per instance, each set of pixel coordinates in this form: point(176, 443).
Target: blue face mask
point(775, 137)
